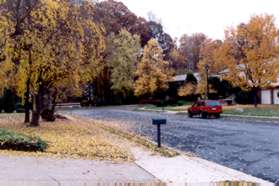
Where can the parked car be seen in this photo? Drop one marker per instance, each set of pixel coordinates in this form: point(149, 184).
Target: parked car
point(205, 108)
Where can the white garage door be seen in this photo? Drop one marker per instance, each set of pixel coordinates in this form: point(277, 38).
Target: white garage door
point(266, 96)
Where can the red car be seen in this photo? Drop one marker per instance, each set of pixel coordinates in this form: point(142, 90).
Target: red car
point(205, 108)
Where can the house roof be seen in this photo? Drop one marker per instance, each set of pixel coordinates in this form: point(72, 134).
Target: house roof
point(182, 77)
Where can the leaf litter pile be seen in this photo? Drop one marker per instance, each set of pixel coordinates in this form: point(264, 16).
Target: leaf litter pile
point(75, 138)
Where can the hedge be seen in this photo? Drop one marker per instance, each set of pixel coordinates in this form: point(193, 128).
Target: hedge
point(15, 141)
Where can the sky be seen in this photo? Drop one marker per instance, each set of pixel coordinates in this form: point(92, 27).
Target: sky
point(210, 17)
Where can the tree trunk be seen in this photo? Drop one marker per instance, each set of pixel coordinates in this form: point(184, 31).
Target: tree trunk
point(27, 93)
point(27, 103)
point(53, 105)
point(37, 108)
point(35, 122)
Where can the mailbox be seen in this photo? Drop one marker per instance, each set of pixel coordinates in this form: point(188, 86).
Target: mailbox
point(158, 123)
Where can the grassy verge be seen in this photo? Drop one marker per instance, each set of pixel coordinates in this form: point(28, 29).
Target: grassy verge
point(68, 138)
point(141, 140)
point(250, 110)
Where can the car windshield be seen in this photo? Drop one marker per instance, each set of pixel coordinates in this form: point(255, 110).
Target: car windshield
point(213, 103)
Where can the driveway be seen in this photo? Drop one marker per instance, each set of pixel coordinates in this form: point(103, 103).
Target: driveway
point(251, 147)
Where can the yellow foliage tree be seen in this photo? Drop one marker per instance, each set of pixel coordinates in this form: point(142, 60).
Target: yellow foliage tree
point(123, 55)
point(58, 46)
point(153, 73)
point(6, 65)
point(187, 89)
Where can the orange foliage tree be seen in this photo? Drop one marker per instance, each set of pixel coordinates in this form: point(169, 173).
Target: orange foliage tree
point(250, 53)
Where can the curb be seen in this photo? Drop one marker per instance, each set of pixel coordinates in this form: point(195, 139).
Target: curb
point(271, 120)
point(251, 117)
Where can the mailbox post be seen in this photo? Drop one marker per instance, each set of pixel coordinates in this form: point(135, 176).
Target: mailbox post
point(158, 123)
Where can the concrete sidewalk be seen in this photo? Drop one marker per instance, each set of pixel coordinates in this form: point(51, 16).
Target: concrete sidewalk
point(181, 170)
point(148, 169)
point(31, 171)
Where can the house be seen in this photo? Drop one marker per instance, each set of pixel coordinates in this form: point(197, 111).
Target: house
point(180, 79)
point(267, 96)
point(270, 95)
point(176, 82)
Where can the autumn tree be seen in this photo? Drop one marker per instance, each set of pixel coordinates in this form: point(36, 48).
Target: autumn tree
point(123, 54)
point(63, 45)
point(190, 48)
point(6, 65)
point(165, 41)
point(153, 73)
point(250, 53)
point(17, 13)
point(115, 16)
point(177, 61)
point(209, 58)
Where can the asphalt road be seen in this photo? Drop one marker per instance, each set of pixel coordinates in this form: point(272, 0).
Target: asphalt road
point(251, 147)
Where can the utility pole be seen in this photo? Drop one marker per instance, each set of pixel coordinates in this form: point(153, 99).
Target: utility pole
point(207, 84)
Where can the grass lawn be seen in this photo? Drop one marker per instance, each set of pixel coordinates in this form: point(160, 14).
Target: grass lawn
point(68, 139)
point(166, 108)
point(250, 110)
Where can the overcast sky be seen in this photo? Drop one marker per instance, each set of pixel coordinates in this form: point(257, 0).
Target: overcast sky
point(208, 16)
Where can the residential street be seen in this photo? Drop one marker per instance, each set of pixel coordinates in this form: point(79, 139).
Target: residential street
point(251, 147)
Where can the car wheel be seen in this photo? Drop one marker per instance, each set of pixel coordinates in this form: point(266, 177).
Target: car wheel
point(190, 114)
point(217, 115)
point(204, 115)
